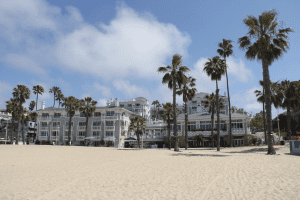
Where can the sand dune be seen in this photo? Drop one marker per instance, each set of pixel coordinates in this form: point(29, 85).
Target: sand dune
point(62, 172)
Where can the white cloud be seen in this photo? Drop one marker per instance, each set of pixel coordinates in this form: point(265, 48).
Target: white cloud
point(239, 71)
point(131, 91)
point(105, 90)
point(6, 91)
point(101, 102)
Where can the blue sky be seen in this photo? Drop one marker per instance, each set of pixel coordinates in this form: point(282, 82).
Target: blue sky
point(107, 49)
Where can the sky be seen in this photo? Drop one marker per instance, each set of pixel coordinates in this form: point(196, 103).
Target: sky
point(112, 49)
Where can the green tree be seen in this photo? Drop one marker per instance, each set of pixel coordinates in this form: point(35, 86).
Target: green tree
point(138, 125)
point(174, 77)
point(158, 106)
point(268, 46)
point(188, 92)
point(37, 90)
point(72, 105)
point(211, 104)
point(215, 68)
point(225, 51)
point(88, 107)
point(156, 102)
point(13, 108)
point(59, 97)
point(54, 90)
point(167, 115)
point(21, 93)
point(25, 117)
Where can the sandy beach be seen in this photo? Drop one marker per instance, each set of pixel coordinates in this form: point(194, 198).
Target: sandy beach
point(39, 172)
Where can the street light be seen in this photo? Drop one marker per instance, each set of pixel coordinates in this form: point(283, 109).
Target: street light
point(57, 134)
point(6, 133)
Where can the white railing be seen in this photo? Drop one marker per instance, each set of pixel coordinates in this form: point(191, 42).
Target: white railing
point(44, 128)
point(111, 117)
point(124, 118)
point(96, 127)
point(66, 137)
point(43, 138)
point(81, 127)
point(67, 127)
point(109, 128)
point(55, 128)
point(54, 138)
point(96, 138)
point(80, 137)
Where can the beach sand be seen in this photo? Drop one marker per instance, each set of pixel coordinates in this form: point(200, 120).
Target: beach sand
point(42, 172)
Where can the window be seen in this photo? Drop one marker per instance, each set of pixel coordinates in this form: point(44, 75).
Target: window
point(137, 104)
point(44, 124)
point(57, 115)
point(208, 126)
point(110, 113)
point(81, 133)
point(191, 127)
point(109, 133)
point(45, 114)
point(96, 133)
point(97, 114)
point(178, 127)
point(97, 123)
point(109, 123)
point(56, 124)
point(43, 133)
point(82, 123)
point(122, 105)
point(55, 133)
point(194, 102)
point(202, 127)
point(67, 123)
point(129, 105)
point(66, 133)
point(82, 114)
point(194, 108)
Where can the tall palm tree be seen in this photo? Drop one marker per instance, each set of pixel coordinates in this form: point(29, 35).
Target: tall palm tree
point(158, 106)
point(211, 104)
point(72, 105)
point(167, 115)
point(13, 108)
point(268, 46)
point(156, 102)
point(59, 97)
point(187, 92)
point(25, 117)
point(138, 125)
point(225, 51)
point(88, 107)
point(54, 90)
point(215, 68)
point(21, 93)
point(175, 78)
point(37, 90)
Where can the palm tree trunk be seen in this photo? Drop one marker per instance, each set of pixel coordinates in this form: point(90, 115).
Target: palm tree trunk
point(69, 133)
point(169, 135)
point(54, 100)
point(212, 127)
point(86, 129)
point(230, 134)
point(266, 80)
point(264, 116)
point(218, 117)
point(175, 117)
point(19, 124)
point(49, 133)
point(186, 127)
point(37, 94)
point(23, 134)
point(288, 116)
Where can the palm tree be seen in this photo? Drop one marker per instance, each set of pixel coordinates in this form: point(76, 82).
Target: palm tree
point(167, 116)
point(88, 107)
point(138, 125)
point(187, 92)
point(21, 93)
point(215, 68)
point(211, 104)
point(38, 90)
point(158, 106)
point(174, 77)
point(54, 90)
point(269, 45)
point(59, 97)
point(13, 108)
point(71, 104)
point(225, 51)
point(155, 103)
point(24, 118)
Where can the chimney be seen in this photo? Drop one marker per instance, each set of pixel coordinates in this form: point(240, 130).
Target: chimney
point(43, 105)
point(117, 102)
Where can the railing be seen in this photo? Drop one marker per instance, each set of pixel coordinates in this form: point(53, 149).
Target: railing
point(81, 127)
point(54, 137)
point(43, 138)
point(80, 137)
point(124, 118)
point(67, 127)
point(109, 128)
point(96, 127)
point(96, 138)
point(66, 137)
point(44, 128)
point(111, 117)
point(44, 117)
point(55, 128)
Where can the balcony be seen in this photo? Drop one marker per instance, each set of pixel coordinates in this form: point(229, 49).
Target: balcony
point(81, 127)
point(80, 137)
point(44, 117)
point(54, 138)
point(96, 127)
point(111, 117)
point(66, 137)
point(55, 128)
point(109, 128)
point(96, 138)
point(43, 128)
point(67, 127)
point(43, 138)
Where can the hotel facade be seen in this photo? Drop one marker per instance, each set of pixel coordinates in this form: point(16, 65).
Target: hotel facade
point(111, 123)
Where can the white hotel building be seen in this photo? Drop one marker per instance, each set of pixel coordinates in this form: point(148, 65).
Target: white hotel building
point(110, 123)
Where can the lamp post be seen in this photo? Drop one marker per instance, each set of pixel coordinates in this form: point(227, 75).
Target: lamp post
point(6, 133)
point(57, 133)
point(278, 124)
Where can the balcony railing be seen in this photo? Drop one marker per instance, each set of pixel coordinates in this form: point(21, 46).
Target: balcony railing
point(67, 127)
point(81, 127)
point(44, 117)
point(109, 128)
point(111, 117)
point(43, 137)
point(55, 128)
point(44, 128)
point(54, 137)
point(96, 127)
point(66, 137)
point(96, 138)
point(80, 137)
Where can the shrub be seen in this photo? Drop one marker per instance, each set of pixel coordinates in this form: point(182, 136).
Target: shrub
point(248, 139)
point(37, 142)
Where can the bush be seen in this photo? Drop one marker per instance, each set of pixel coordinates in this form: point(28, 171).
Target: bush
point(37, 142)
point(248, 139)
point(102, 142)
